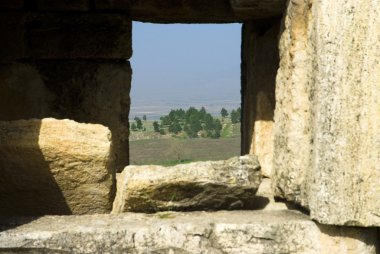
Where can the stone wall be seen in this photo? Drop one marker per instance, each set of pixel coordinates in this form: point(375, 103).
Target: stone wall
point(236, 232)
point(67, 65)
point(259, 68)
point(54, 166)
point(314, 127)
point(327, 143)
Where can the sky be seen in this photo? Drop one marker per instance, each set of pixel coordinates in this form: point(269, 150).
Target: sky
point(182, 65)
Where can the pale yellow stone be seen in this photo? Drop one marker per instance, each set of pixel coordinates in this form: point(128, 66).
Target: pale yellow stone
point(54, 166)
point(232, 232)
point(262, 144)
point(210, 185)
point(327, 142)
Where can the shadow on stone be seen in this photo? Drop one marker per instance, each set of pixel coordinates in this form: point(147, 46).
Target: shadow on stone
point(359, 237)
point(7, 222)
point(257, 203)
point(27, 185)
point(293, 206)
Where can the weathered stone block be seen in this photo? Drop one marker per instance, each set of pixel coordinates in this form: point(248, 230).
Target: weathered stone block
point(84, 91)
point(65, 36)
point(114, 5)
point(12, 34)
point(199, 11)
point(54, 167)
point(23, 93)
point(259, 70)
point(182, 11)
point(258, 9)
point(327, 146)
point(59, 5)
point(237, 232)
point(79, 36)
point(209, 185)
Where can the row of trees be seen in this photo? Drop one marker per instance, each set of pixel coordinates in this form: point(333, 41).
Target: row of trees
point(235, 115)
point(138, 124)
point(192, 122)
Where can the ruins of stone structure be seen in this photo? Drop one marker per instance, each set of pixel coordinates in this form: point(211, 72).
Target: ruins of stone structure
point(214, 185)
point(311, 115)
point(55, 167)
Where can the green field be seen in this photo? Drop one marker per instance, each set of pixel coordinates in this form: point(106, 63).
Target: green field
point(146, 148)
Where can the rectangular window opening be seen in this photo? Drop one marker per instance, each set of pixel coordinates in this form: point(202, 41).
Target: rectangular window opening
point(185, 96)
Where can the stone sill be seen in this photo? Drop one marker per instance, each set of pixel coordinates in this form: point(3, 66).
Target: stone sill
point(282, 231)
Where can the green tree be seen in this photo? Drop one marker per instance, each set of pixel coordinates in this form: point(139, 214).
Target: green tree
point(189, 131)
point(144, 117)
point(235, 115)
point(224, 113)
point(175, 127)
point(195, 123)
point(133, 127)
point(156, 126)
point(208, 122)
point(165, 121)
point(139, 123)
point(191, 114)
point(217, 129)
point(202, 114)
point(238, 114)
point(213, 128)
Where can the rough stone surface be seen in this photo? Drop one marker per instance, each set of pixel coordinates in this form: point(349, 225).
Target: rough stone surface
point(112, 5)
point(23, 93)
point(211, 185)
point(200, 11)
point(240, 232)
point(292, 115)
point(327, 145)
point(258, 9)
point(65, 36)
point(12, 36)
point(84, 91)
point(58, 5)
point(54, 167)
point(183, 11)
point(259, 68)
point(265, 200)
point(93, 93)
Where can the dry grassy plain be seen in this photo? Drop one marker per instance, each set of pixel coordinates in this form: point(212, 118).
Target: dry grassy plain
point(170, 151)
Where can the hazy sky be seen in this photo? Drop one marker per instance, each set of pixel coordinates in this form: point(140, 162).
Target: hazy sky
point(182, 64)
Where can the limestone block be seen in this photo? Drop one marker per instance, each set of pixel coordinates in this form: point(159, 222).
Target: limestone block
point(197, 11)
point(54, 167)
point(119, 5)
point(84, 91)
point(235, 232)
point(65, 36)
point(23, 93)
point(58, 5)
point(258, 9)
point(210, 185)
point(12, 35)
point(182, 11)
point(79, 36)
point(292, 133)
point(259, 69)
point(327, 145)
